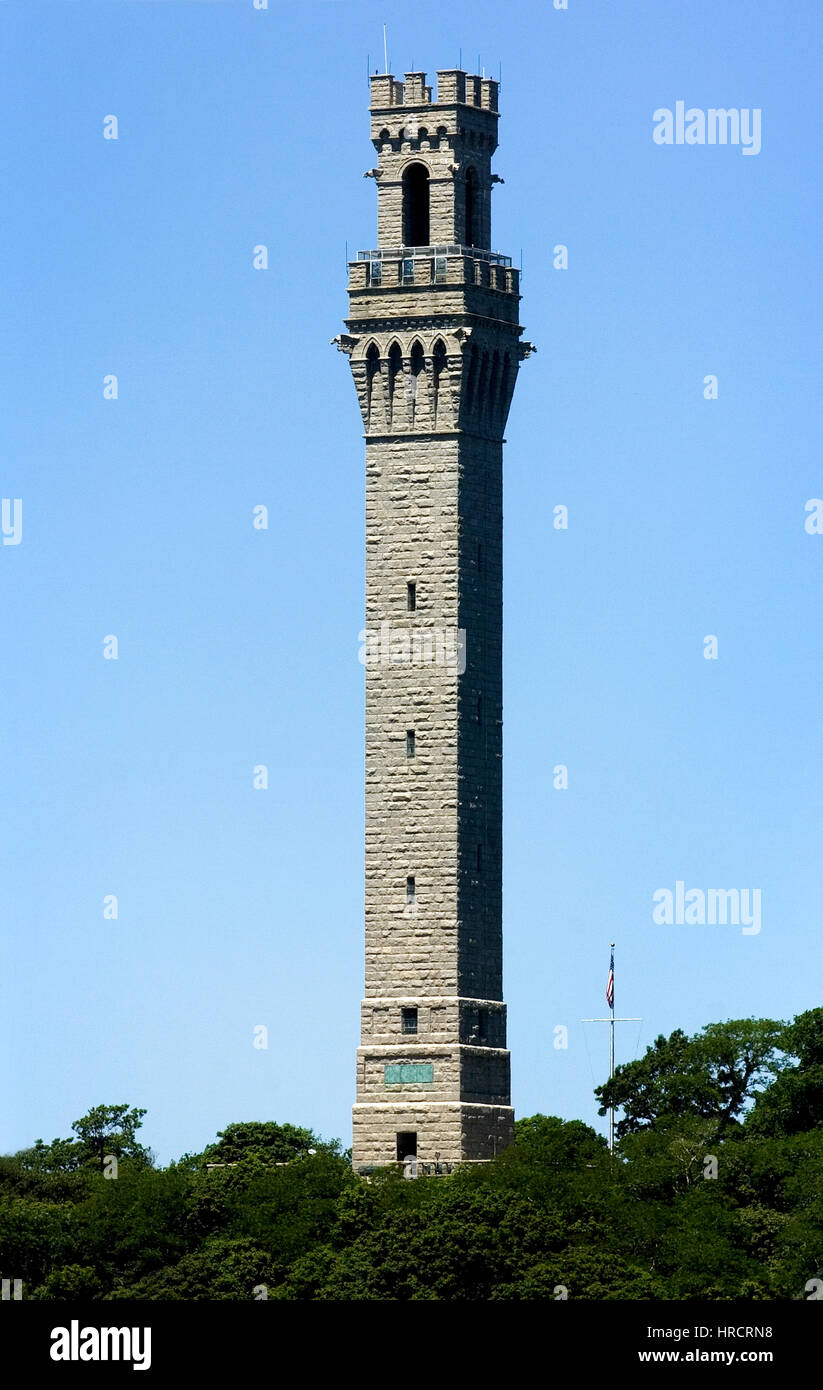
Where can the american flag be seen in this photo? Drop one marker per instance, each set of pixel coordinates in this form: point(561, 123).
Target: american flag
point(610, 984)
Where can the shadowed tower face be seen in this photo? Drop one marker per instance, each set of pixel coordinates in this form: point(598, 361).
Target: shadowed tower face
point(434, 347)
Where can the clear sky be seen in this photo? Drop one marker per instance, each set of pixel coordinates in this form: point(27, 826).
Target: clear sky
point(238, 647)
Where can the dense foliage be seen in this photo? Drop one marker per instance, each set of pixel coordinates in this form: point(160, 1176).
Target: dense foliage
point(716, 1192)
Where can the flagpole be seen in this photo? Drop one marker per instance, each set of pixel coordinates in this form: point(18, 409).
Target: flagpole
point(611, 1020)
point(611, 1064)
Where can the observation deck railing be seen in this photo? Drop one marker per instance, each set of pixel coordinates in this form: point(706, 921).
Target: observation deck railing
point(389, 266)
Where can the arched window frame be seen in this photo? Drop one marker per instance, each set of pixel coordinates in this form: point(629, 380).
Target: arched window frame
point(439, 365)
point(395, 361)
point(372, 371)
point(416, 204)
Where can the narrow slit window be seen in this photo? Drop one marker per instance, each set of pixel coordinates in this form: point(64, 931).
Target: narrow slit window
point(411, 743)
point(410, 889)
point(408, 1022)
point(411, 596)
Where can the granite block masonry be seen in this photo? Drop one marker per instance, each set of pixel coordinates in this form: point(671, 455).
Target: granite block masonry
point(434, 346)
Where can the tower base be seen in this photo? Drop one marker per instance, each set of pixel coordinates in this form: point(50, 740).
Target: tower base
point(432, 1131)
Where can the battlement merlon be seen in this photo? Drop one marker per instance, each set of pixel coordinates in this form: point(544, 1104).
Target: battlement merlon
point(392, 101)
point(454, 88)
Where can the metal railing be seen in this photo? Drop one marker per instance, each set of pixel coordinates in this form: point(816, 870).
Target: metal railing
point(402, 253)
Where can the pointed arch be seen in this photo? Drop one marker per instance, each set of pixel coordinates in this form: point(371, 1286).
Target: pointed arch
point(439, 365)
point(416, 358)
point(372, 371)
point(395, 377)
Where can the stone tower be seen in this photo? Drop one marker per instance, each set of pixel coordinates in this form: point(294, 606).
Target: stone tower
point(434, 347)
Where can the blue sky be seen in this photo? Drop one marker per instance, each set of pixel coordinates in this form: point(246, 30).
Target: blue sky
point(238, 647)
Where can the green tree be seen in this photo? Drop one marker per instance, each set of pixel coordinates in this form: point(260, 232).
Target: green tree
point(223, 1268)
point(793, 1104)
point(60, 1156)
point(110, 1129)
point(713, 1074)
point(70, 1282)
point(265, 1140)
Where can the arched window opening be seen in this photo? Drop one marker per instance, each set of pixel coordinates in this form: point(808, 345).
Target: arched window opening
point(416, 366)
point(372, 369)
point(438, 362)
point(416, 358)
point(416, 205)
point(438, 371)
point(471, 206)
point(384, 136)
point(395, 373)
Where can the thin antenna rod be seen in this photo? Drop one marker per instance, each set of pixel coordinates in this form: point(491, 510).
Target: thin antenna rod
point(460, 62)
point(385, 51)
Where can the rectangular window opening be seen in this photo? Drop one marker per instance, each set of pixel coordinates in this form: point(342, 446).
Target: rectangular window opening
point(410, 743)
point(406, 1145)
point(411, 596)
point(408, 1020)
point(410, 889)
